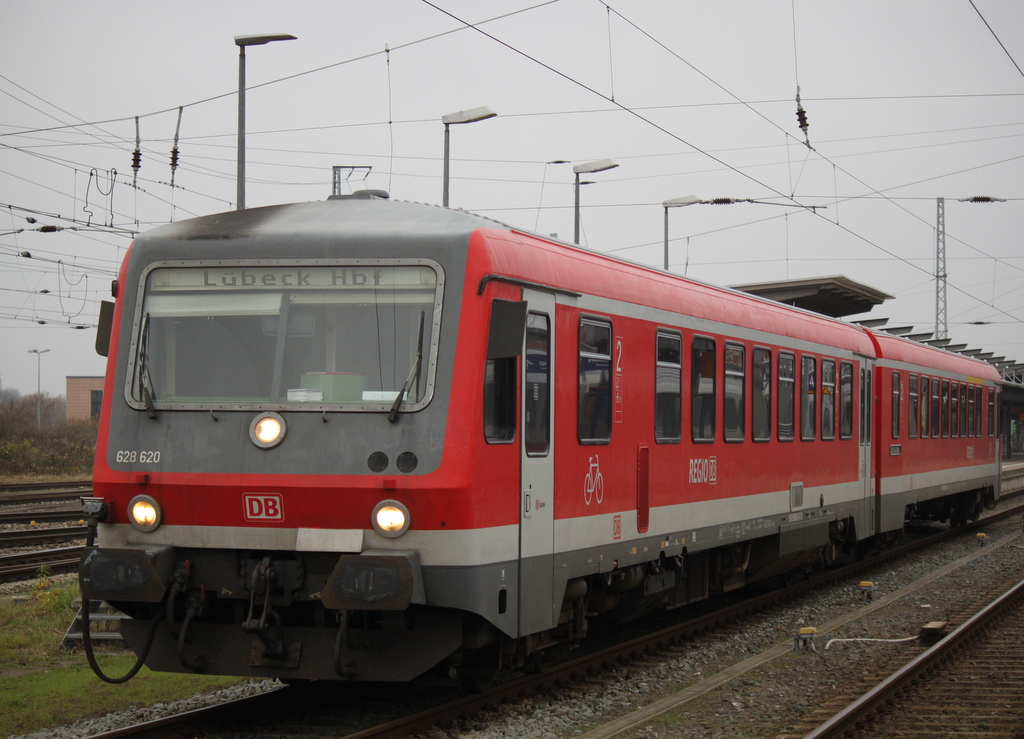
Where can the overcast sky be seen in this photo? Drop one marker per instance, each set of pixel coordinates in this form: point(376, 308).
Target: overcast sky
point(906, 101)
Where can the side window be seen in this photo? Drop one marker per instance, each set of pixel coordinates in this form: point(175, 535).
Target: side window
point(537, 400)
point(954, 413)
point(500, 400)
point(808, 395)
point(761, 395)
point(594, 411)
point(787, 394)
point(828, 399)
point(945, 408)
point(735, 379)
point(963, 409)
point(991, 411)
point(846, 401)
point(970, 410)
point(924, 407)
point(895, 405)
point(702, 390)
point(912, 412)
point(668, 384)
point(936, 409)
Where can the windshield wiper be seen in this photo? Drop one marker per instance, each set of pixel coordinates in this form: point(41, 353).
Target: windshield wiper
point(145, 381)
point(393, 415)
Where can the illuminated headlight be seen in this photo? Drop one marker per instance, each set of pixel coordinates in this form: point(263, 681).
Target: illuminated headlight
point(144, 513)
point(390, 518)
point(267, 430)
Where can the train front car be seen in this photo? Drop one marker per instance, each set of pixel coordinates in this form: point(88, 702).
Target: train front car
point(272, 464)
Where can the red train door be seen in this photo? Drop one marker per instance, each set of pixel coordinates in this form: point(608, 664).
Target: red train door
point(538, 604)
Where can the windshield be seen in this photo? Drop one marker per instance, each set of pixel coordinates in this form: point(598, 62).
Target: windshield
point(298, 336)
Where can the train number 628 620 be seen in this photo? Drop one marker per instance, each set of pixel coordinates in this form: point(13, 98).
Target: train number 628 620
point(143, 457)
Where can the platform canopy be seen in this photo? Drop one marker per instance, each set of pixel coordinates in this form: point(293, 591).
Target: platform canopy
point(835, 296)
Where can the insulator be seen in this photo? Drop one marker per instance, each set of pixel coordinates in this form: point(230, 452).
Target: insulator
point(174, 158)
point(722, 201)
point(136, 160)
point(801, 118)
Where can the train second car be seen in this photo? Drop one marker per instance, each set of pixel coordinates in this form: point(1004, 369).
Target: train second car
point(359, 439)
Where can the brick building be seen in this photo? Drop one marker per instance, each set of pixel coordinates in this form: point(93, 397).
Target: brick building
point(84, 395)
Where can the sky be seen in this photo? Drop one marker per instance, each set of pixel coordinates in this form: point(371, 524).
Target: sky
point(906, 102)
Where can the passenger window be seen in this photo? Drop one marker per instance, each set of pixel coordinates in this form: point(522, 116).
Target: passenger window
point(828, 399)
point(924, 407)
point(735, 379)
point(963, 409)
point(912, 412)
point(808, 396)
point(936, 409)
point(991, 411)
point(594, 412)
point(954, 414)
point(668, 389)
point(537, 400)
point(787, 394)
point(945, 408)
point(846, 401)
point(702, 390)
point(761, 395)
point(895, 405)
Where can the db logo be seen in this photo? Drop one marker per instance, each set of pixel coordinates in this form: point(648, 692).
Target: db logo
point(263, 507)
point(617, 527)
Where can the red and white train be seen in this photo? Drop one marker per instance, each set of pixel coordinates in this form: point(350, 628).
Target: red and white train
point(358, 439)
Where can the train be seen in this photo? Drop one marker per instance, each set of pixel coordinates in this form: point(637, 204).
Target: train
point(363, 439)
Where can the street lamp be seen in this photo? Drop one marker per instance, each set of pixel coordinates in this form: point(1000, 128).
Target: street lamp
point(676, 203)
point(599, 165)
point(241, 42)
point(463, 116)
point(39, 395)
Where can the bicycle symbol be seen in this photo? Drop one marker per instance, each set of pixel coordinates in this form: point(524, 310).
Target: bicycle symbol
point(593, 484)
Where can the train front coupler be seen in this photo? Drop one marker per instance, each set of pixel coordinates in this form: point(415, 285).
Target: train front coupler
point(268, 627)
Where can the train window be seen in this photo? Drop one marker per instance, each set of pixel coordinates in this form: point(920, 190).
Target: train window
point(896, 405)
point(787, 395)
point(846, 400)
point(702, 390)
point(865, 406)
point(283, 336)
point(912, 412)
point(537, 394)
point(668, 388)
point(978, 394)
point(963, 409)
point(953, 409)
point(808, 395)
point(828, 399)
point(761, 394)
point(991, 411)
point(936, 408)
point(734, 410)
point(945, 408)
point(970, 410)
point(500, 400)
point(924, 406)
point(594, 411)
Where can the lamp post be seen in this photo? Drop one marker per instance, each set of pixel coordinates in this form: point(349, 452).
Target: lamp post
point(676, 203)
point(39, 392)
point(463, 116)
point(599, 165)
point(241, 42)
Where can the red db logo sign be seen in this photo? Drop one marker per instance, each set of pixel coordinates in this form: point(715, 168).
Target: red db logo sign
point(263, 507)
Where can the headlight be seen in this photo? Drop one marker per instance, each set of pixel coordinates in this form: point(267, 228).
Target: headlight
point(267, 430)
point(390, 518)
point(144, 513)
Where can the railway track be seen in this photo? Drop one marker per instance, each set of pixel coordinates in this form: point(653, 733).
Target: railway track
point(40, 515)
point(28, 537)
point(43, 492)
point(971, 683)
point(25, 565)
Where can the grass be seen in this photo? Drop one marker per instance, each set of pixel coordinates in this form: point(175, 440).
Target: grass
point(43, 685)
